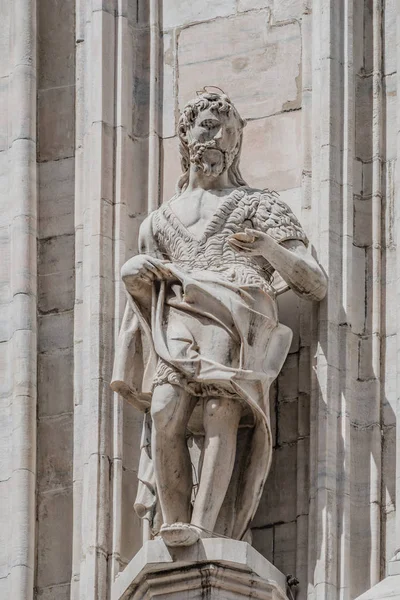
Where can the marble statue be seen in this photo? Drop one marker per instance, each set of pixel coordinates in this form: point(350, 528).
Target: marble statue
point(200, 342)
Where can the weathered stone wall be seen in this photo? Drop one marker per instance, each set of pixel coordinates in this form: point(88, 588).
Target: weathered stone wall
point(56, 296)
point(5, 300)
point(87, 146)
point(18, 40)
point(37, 100)
point(390, 336)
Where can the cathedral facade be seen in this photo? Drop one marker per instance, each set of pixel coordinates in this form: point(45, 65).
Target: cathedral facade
point(91, 92)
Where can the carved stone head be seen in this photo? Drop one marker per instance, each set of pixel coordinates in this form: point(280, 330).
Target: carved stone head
point(210, 134)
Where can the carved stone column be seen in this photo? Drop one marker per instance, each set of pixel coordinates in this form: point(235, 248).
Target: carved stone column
point(23, 291)
point(213, 568)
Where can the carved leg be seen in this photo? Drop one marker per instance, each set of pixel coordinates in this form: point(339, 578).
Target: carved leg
point(221, 421)
point(171, 408)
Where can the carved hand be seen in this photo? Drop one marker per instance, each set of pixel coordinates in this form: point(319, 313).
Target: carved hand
point(144, 267)
point(251, 242)
point(290, 258)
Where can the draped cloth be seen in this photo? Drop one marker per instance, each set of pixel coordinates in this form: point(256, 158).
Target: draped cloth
point(218, 337)
point(250, 315)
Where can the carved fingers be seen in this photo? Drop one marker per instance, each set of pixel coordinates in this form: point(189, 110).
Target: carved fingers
point(145, 268)
point(250, 242)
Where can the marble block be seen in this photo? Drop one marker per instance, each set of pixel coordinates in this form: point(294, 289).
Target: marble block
point(212, 568)
point(388, 588)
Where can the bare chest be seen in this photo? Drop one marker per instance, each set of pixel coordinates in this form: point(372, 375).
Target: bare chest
point(196, 212)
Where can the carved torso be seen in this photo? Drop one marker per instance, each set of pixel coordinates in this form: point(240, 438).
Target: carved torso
point(243, 208)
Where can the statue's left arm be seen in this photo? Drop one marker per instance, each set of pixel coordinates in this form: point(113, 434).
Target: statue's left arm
point(292, 261)
point(282, 243)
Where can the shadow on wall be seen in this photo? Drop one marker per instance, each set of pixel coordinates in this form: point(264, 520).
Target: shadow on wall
point(280, 527)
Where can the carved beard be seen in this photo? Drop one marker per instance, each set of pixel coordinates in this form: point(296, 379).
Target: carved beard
point(200, 156)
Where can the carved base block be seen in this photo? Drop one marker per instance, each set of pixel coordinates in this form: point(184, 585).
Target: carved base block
point(388, 588)
point(213, 568)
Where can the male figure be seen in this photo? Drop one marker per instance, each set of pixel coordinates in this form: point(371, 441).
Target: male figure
point(201, 293)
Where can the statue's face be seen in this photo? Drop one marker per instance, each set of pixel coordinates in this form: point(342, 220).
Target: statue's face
point(213, 139)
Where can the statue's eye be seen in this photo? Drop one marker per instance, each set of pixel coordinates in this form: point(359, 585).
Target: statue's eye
point(210, 124)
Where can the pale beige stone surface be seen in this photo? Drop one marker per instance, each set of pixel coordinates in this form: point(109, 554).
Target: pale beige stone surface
point(56, 21)
point(5, 499)
point(245, 57)
point(138, 13)
point(55, 592)
point(177, 14)
point(5, 39)
point(388, 589)
point(245, 5)
point(4, 191)
point(288, 10)
point(4, 119)
point(56, 123)
point(55, 331)
point(171, 167)
point(55, 381)
point(56, 181)
point(55, 458)
point(140, 96)
point(54, 513)
point(272, 152)
point(390, 39)
point(56, 296)
point(56, 274)
point(168, 103)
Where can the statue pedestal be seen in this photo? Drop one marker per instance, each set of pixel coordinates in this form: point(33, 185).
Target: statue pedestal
point(388, 588)
point(213, 568)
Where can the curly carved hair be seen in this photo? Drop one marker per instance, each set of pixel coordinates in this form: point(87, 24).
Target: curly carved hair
point(220, 104)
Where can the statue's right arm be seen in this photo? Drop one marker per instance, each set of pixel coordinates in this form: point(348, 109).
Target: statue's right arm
point(139, 287)
point(139, 272)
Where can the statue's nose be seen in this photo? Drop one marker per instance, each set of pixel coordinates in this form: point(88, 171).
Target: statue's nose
point(207, 136)
point(211, 133)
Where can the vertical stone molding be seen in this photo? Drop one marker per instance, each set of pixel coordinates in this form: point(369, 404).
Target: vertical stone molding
point(346, 458)
point(80, 113)
point(389, 587)
point(94, 304)
point(397, 525)
point(154, 107)
point(332, 212)
point(112, 170)
point(23, 231)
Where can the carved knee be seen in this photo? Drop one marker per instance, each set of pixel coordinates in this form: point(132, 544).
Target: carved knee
point(213, 408)
point(222, 409)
